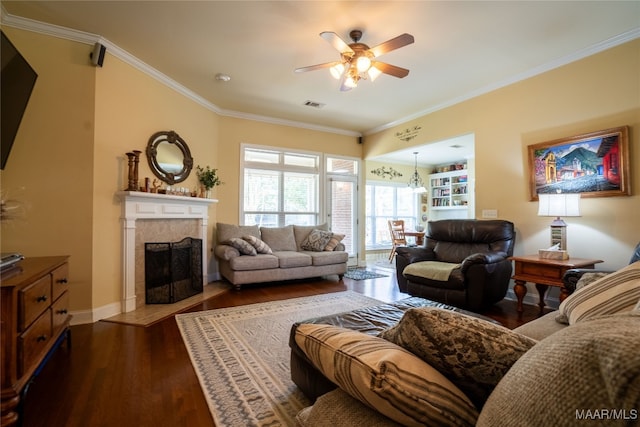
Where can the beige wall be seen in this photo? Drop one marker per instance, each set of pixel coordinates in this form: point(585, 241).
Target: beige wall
point(599, 92)
point(70, 158)
point(50, 168)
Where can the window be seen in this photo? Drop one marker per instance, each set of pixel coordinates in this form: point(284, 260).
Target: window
point(385, 202)
point(280, 188)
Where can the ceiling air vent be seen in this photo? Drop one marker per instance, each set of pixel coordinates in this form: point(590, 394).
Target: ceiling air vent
point(314, 104)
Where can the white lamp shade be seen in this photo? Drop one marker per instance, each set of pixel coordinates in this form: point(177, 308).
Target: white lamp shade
point(559, 204)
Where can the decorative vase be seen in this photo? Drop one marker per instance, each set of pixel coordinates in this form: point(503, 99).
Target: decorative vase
point(207, 193)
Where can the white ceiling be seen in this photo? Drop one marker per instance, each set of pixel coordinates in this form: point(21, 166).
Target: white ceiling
point(461, 49)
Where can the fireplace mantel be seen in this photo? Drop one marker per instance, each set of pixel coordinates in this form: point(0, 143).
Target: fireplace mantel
point(137, 205)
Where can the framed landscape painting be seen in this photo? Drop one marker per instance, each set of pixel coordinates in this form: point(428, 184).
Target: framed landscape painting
point(594, 164)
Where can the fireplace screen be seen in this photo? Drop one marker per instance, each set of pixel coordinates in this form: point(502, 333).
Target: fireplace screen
point(173, 271)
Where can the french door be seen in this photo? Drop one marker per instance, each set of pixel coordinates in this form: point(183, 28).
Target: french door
point(342, 211)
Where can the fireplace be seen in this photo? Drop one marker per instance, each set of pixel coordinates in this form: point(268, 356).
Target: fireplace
point(173, 271)
point(142, 212)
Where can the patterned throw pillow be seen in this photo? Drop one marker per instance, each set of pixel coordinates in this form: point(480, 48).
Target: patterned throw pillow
point(242, 246)
point(316, 240)
point(473, 353)
point(333, 241)
point(614, 293)
point(261, 247)
point(568, 378)
point(385, 377)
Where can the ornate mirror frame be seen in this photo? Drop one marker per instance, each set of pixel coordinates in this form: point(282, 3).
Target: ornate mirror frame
point(158, 142)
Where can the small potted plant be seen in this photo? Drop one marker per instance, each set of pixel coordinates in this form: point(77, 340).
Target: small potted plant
point(208, 179)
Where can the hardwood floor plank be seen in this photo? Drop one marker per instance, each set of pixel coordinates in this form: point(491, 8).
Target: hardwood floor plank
point(118, 375)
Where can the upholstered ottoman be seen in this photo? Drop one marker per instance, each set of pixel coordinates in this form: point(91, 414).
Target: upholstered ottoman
point(369, 320)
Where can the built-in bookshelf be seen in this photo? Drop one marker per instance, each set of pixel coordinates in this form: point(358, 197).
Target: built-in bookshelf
point(448, 190)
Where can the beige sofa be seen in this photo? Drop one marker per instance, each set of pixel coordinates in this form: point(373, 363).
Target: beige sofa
point(578, 365)
point(279, 253)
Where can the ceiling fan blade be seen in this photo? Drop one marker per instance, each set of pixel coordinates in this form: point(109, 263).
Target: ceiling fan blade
point(393, 44)
point(316, 67)
point(335, 41)
point(392, 70)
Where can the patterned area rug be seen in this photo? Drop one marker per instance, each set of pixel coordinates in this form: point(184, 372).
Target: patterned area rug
point(362, 274)
point(241, 356)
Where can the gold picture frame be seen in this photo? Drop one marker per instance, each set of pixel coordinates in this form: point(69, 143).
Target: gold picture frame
point(594, 164)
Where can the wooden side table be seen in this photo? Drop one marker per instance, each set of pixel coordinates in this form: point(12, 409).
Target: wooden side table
point(419, 235)
point(544, 273)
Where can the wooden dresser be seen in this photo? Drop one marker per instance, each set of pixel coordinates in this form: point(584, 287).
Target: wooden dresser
point(34, 319)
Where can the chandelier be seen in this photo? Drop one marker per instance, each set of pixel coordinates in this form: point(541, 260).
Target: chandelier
point(415, 182)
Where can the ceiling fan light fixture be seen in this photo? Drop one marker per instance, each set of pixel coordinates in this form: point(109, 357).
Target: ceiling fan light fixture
point(363, 63)
point(351, 81)
point(373, 73)
point(337, 70)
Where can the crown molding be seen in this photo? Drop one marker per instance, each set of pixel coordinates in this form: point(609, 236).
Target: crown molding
point(575, 56)
point(114, 50)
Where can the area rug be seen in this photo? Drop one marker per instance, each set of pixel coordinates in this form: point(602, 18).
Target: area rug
point(362, 274)
point(241, 356)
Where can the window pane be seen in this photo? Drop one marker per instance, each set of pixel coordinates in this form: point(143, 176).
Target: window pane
point(300, 160)
point(406, 202)
point(261, 220)
point(300, 192)
point(342, 166)
point(261, 189)
point(300, 219)
point(261, 156)
point(385, 201)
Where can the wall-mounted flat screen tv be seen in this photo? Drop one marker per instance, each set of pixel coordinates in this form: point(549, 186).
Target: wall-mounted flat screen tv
point(17, 79)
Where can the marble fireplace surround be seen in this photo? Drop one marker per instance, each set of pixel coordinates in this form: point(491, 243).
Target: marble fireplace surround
point(160, 211)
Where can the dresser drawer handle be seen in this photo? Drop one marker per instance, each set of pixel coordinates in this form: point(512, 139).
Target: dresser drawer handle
point(62, 311)
point(41, 298)
point(63, 280)
point(41, 338)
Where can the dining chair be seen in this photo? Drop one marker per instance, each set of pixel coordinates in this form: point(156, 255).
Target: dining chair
point(398, 238)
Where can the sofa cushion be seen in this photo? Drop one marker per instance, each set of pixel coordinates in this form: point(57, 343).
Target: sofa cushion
point(328, 258)
point(588, 278)
point(333, 242)
point(261, 247)
point(258, 262)
point(279, 238)
point(288, 259)
point(244, 247)
point(473, 353)
point(228, 231)
point(580, 373)
point(301, 232)
point(616, 292)
point(338, 409)
point(316, 240)
point(385, 377)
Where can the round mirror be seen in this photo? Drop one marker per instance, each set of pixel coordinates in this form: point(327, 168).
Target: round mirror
point(169, 157)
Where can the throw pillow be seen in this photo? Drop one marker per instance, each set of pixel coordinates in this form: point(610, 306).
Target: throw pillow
point(588, 278)
point(333, 242)
point(316, 240)
point(616, 292)
point(473, 353)
point(585, 374)
point(261, 247)
point(385, 377)
point(242, 246)
point(279, 238)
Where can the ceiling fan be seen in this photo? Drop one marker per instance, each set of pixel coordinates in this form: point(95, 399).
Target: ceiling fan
point(357, 60)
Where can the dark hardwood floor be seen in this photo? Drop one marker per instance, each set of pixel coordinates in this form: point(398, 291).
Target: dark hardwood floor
point(118, 376)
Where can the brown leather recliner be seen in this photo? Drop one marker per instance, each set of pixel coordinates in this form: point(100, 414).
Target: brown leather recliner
point(479, 248)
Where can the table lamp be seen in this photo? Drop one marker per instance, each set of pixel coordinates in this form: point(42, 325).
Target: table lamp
point(558, 205)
